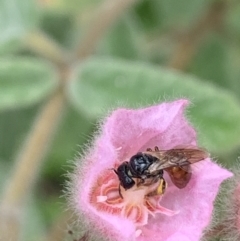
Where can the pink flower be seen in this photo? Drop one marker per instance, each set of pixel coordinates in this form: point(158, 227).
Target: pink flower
point(178, 214)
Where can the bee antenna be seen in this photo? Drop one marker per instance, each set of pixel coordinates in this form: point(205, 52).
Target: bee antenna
point(112, 169)
point(119, 191)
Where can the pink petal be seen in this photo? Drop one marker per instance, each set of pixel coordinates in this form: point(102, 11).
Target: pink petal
point(129, 131)
point(178, 236)
point(154, 207)
point(195, 205)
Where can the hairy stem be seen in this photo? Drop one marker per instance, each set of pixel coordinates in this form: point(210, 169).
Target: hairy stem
point(191, 41)
point(103, 19)
point(27, 166)
point(44, 46)
point(215, 232)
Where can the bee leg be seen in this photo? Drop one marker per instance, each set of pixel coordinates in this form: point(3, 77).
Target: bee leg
point(119, 191)
point(149, 149)
point(140, 182)
point(154, 179)
point(156, 148)
point(160, 190)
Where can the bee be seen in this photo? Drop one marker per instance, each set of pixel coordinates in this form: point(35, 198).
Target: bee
point(148, 167)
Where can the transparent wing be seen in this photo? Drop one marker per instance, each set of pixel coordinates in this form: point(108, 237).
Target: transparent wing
point(177, 157)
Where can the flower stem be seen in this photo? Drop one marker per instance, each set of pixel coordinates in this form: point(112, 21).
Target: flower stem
point(43, 45)
point(104, 18)
point(27, 165)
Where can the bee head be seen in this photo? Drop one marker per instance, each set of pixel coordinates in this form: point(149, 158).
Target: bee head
point(124, 176)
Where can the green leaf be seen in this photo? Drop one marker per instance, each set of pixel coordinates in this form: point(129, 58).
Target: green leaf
point(182, 13)
point(149, 14)
point(217, 61)
point(211, 62)
point(232, 63)
point(16, 18)
point(104, 83)
point(58, 25)
point(232, 20)
point(122, 40)
point(76, 6)
point(24, 81)
point(175, 14)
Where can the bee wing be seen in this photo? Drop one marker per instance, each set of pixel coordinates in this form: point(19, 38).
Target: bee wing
point(190, 154)
point(181, 174)
point(177, 157)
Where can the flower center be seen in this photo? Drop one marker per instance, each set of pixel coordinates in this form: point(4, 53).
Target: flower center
point(135, 203)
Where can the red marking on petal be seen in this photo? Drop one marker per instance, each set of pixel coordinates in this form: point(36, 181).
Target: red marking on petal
point(150, 206)
point(104, 195)
point(152, 202)
point(103, 207)
point(133, 212)
point(134, 205)
point(166, 211)
point(136, 213)
point(112, 193)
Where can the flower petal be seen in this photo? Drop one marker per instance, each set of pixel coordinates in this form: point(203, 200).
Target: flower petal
point(130, 130)
point(178, 236)
point(154, 207)
point(195, 204)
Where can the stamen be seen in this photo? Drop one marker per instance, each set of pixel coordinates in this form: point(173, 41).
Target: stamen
point(135, 204)
point(101, 199)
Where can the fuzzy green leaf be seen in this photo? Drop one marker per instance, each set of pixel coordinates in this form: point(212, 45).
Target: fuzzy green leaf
point(122, 40)
point(16, 18)
point(24, 81)
point(100, 84)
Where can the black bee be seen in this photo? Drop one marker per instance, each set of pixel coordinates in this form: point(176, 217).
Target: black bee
point(136, 168)
point(149, 165)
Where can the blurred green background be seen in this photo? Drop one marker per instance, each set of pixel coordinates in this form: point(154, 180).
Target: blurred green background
point(155, 50)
